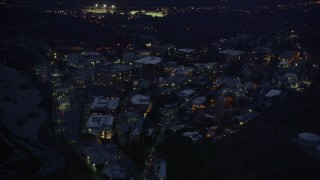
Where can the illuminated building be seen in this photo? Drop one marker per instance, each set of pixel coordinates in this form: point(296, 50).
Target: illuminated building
point(61, 92)
point(118, 76)
point(100, 126)
point(289, 57)
point(64, 104)
point(198, 103)
point(84, 59)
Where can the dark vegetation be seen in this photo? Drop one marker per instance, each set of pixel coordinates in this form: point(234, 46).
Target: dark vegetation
point(16, 161)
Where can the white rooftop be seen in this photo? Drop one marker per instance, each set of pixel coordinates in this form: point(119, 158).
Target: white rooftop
point(114, 171)
point(185, 50)
point(162, 171)
point(283, 63)
point(199, 100)
point(183, 70)
point(149, 60)
point(186, 92)
point(195, 136)
point(309, 136)
point(99, 121)
point(273, 92)
point(231, 52)
point(105, 102)
point(140, 99)
point(150, 131)
point(291, 75)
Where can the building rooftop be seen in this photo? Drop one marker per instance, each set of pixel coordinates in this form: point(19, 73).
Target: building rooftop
point(100, 121)
point(199, 100)
point(105, 102)
point(114, 171)
point(273, 92)
point(161, 170)
point(149, 132)
point(185, 50)
point(195, 136)
point(114, 68)
point(186, 92)
point(140, 99)
point(182, 70)
point(231, 52)
point(100, 154)
point(149, 60)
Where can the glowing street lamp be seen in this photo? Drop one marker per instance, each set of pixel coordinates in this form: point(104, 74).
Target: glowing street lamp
point(104, 5)
point(96, 5)
point(113, 6)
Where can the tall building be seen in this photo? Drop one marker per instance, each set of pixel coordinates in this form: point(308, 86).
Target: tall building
point(148, 67)
point(231, 55)
point(187, 56)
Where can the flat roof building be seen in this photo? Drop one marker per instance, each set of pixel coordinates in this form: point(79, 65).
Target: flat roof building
point(186, 56)
point(99, 154)
point(100, 125)
point(273, 92)
point(151, 60)
point(231, 54)
point(104, 104)
point(161, 170)
point(150, 66)
point(198, 102)
point(139, 99)
point(186, 92)
point(114, 171)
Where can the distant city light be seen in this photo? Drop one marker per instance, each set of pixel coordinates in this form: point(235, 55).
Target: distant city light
point(96, 5)
point(104, 5)
point(113, 6)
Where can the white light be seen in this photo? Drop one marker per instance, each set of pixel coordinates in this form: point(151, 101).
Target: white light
point(104, 5)
point(113, 6)
point(96, 5)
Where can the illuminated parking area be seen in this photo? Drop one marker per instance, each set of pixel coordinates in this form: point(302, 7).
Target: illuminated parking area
point(150, 13)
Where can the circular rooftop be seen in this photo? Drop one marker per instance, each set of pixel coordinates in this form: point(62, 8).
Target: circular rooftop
point(309, 137)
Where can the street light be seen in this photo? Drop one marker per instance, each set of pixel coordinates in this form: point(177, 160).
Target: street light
point(113, 6)
point(104, 5)
point(96, 5)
